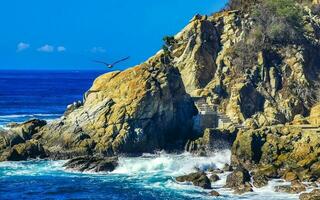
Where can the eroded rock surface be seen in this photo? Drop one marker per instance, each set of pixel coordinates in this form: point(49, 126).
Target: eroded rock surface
point(197, 178)
point(92, 164)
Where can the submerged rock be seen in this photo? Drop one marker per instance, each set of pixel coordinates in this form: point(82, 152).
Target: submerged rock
point(197, 178)
point(93, 164)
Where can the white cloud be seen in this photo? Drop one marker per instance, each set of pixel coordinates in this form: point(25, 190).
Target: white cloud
point(98, 50)
point(46, 48)
point(22, 46)
point(61, 48)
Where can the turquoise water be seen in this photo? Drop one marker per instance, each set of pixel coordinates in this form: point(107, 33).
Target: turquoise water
point(45, 94)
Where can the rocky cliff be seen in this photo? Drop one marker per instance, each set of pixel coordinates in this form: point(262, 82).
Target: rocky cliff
point(149, 106)
point(282, 83)
point(141, 109)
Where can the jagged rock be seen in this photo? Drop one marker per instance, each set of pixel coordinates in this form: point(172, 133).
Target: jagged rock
point(282, 147)
point(313, 195)
point(239, 180)
point(198, 179)
point(196, 52)
point(20, 133)
point(138, 110)
point(211, 139)
point(295, 188)
point(214, 178)
point(31, 149)
point(260, 180)
point(92, 163)
point(243, 188)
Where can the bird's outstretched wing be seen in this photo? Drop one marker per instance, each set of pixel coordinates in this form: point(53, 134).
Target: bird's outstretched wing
point(123, 59)
point(101, 62)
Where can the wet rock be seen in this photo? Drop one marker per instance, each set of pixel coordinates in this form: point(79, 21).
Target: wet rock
point(239, 180)
point(313, 195)
point(238, 177)
point(199, 179)
point(92, 163)
point(243, 188)
point(227, 168)
point(214, 178)
point(216, 171)
point(31, 149)
point(260, 180)
point(295, 188)
point(214, 193)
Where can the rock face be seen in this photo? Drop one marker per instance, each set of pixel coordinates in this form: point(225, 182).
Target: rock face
point(17, 143)
point(198, 179)
point(141, 109)
point(92, 164)
point(280, 86)
point(278, 150)
point(137, 110)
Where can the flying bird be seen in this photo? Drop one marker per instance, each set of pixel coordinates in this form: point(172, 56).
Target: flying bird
point(112, 64)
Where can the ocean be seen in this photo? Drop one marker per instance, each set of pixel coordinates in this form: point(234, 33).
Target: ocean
point(45, 94)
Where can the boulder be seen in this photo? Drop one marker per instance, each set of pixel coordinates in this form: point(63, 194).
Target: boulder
point(198, 179)
point(239, 180)
point(31, 149)
point(20, 133)
point(92, 164)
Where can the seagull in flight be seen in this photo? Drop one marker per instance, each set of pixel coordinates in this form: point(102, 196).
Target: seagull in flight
point(112, 64)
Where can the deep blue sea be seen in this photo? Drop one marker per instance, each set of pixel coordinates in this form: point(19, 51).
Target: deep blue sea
point(45, 94)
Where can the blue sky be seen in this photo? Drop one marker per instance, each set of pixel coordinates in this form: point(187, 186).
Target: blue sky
point(67, 34)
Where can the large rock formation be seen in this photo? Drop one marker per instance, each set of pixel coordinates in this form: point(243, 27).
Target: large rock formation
point(281, 85)
point(138, 110)
point(278, 150)
point(142, 109)
point(148, 107)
